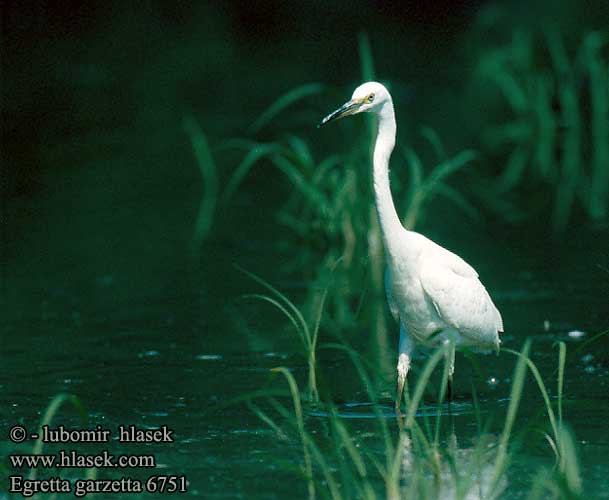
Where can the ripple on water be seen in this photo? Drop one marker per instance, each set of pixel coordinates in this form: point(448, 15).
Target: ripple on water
point(576, 334)
point(366, 410)
point(280, 355)
point(208, 357)
point(148, 354)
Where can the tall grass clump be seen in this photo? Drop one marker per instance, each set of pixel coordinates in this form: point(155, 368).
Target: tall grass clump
point(411, 455)
point(406, 456)
point(307, 335)
point(555, 131)
point(330, 213)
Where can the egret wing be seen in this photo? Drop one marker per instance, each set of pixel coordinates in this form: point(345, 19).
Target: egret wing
point(452, 261)
point(461, 301)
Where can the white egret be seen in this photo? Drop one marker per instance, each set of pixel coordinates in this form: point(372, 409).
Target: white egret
point(434, 294)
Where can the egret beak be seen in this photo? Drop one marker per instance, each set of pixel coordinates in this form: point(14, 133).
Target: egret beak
point(349, 108)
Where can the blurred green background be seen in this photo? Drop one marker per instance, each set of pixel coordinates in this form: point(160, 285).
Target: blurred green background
point(119, 243)
point(99, 178)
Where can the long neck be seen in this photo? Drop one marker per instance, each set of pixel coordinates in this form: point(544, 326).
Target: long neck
point(385, 141)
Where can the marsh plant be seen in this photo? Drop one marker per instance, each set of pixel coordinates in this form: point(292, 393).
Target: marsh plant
point(555, 132)
point(307, 334)
point(418, 459)
point(420, 456)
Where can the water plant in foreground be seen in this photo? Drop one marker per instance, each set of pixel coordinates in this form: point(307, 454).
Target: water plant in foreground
point(416, 459)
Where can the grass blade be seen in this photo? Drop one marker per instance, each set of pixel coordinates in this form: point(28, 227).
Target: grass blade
point(256, 153)
point(562, 357)
point(280, 306)
point(542, 389)
point(49, 414)
point(458, 199)
point(515, 394)
point(266, 419)
point(365, 58)
point(449, 167)
point(300, 425)
point(207, 167)
point(421, 384)
point(283, 298)
point(285, 101)
point(436, 143)
point(568, 462)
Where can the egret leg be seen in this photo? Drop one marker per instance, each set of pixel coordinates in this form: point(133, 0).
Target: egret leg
point(450, 358)
point(404, 352)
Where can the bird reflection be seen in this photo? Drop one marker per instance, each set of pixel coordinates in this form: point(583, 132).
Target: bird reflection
point(450, 470)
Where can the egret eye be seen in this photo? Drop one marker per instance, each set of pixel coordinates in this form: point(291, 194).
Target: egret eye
point(370, 98)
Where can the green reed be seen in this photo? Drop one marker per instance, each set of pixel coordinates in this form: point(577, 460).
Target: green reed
point(338, 463)
point(284, 102)
point(207, 167)
point(416, 459)
point(423, 189)
point(308, 335)
point(558, 131)
point(47, 417)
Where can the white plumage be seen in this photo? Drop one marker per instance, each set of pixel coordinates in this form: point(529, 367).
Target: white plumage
point(434, 294)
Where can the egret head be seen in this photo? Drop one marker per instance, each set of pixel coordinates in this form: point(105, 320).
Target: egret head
point(369, 97)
